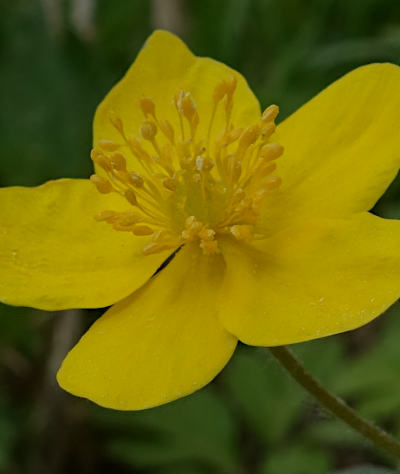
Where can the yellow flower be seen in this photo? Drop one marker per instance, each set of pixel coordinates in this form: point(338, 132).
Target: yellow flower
point(267, 249)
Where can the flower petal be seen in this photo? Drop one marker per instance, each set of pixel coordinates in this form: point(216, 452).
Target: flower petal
point(55, 255)
point(342, 149)
point(312, 280)
point(164, 66)
point(161, 343)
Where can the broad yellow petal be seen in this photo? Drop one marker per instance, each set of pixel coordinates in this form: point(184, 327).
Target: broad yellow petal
point(342, 149)
point(161, 343)
point(312, 280)
point(163, 67)
point(55, 255)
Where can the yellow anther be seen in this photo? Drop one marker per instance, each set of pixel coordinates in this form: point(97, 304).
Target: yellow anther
point(167, 130)
point(121, 175)
point(156, 247)
point(109, 145)
point(234, 134)
point(208, 164)
point(271, 151)
point(248, 137)
point(118, 161)
point(169, 183)
point(178, 96)
point(142, 230)
point(206, 233)
point(131, 197)
point(95, 153)
point(187, 162)
point(105, 216)
point(270, 113)
point(209, 247)
point(183, 151)
point(100, 159)
point(192, 228)
point(242, 232)
point(266, 170)
point(116, 121)
point(220, 91)
point(102, 184)
point(135, 179)
point(231, 84)
point(268, 129)
point(137, 149)
point(196, 178)
point(199, 163)
point(238, 196)
point(273, 182)
point(148, 130)
point(128, 218)
point(236, 171)
point(188, 106)
point(148, 107)
point(166, 157)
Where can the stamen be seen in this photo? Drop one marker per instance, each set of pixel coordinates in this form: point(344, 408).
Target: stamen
point(190, 189)
point(102, 185)
point(148, 107)
point(109, 145)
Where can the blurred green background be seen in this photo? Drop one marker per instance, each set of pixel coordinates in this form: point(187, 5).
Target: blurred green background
point(58, 59)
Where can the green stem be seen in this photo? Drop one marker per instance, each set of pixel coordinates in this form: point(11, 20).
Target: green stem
point(334, 404)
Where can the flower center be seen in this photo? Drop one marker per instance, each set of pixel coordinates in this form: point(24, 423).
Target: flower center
point(189, 188)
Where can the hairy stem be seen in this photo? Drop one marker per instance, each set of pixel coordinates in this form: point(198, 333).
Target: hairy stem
point(334, 404)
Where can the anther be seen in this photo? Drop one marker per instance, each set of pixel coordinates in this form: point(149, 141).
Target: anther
point(142, 230)
point(248, 137)
point(199, 163)
point(118, 161)
point(128, 219)
point(105, 215)
point(131, 197)
point(271, 151)
point(148, 107)
point(268, 129)
point(148, 130)
point(242, 232)
point(169, 183)
point(188, 106)
point(102, 184)
point(206, 233)
point(266, 170)
point(135, 179)
point(220, 91)
point(167, 130)
point(234, 134)
point(99, 159)
point(137, 149)
point(273, 182)
point(231, 85)
point(109, 145)
point(116, 121)
point(270, 113)
point(209, 247)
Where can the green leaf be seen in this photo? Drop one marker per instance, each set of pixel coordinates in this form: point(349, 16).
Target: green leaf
point(198, 427)
point(296, 459)
point(366, 470)
point(269, 400)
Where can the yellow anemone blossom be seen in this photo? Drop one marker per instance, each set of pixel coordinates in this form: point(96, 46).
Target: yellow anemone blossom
point(260, 233)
